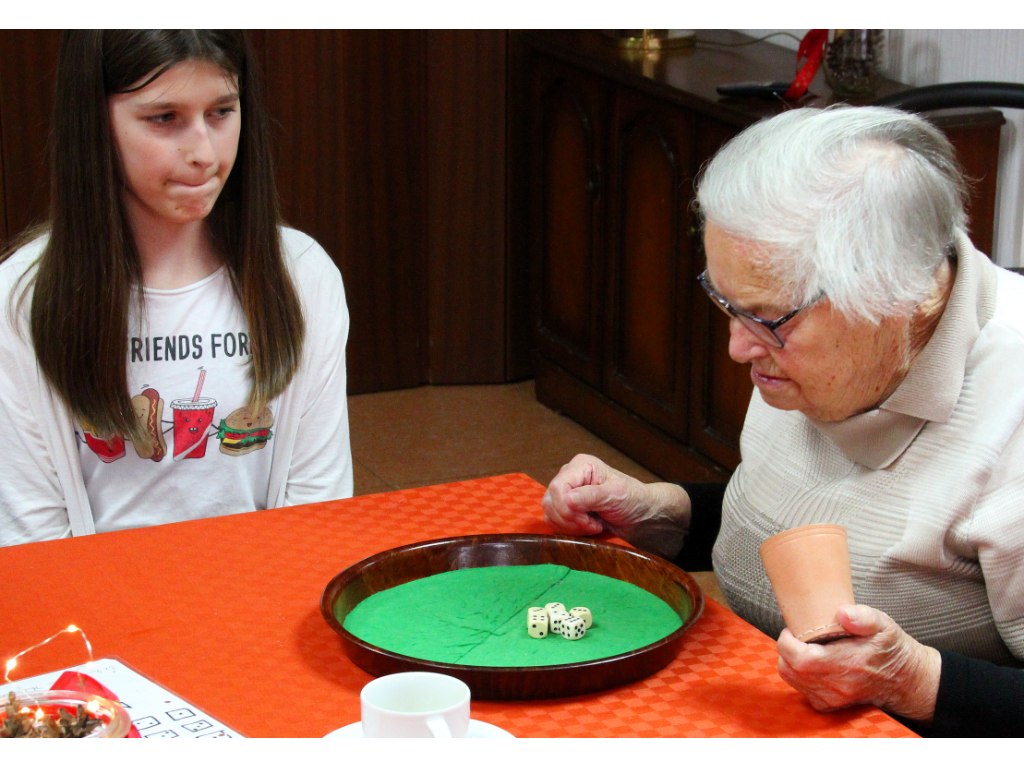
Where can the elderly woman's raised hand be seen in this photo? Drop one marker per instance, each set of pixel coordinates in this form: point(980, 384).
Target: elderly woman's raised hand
point(881, 665)
point(587, 497)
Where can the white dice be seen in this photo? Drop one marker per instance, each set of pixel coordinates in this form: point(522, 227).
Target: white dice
point(573, 628)
point(537, 622)
point(585, 614)
point(554, 619)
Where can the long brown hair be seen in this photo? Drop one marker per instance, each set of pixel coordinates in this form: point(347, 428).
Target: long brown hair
point(89, 272)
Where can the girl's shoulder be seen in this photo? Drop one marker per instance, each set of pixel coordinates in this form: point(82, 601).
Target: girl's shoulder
point(306, 259)
point(298, 246)
point(17, 273)
point(22, 261)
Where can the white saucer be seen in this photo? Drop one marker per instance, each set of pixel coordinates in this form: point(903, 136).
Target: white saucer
point(477, 730)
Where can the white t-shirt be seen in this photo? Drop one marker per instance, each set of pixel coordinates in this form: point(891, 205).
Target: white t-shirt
point(53, 481)
point(187, 372)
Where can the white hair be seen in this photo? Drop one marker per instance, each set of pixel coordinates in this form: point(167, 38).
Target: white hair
point(860, 203)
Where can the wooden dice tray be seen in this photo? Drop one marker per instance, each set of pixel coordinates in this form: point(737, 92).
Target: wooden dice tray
point(415, 561)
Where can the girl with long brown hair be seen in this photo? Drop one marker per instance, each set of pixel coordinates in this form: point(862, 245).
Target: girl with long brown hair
point(169, 350)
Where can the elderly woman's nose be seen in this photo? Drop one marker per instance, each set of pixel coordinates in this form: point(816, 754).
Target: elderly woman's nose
point(744, 346)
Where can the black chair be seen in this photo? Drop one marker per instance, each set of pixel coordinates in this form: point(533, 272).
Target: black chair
point(954, 95)
point(951, 95)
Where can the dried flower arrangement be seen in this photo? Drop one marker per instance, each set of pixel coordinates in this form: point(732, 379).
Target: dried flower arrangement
point(20, 721)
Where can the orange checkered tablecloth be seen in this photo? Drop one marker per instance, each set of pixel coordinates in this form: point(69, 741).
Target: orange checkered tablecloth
point(225, 612)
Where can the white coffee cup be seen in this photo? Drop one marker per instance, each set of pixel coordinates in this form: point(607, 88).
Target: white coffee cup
point(415, 705)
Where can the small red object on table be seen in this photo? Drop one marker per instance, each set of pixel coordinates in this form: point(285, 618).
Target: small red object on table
point(77, 681)
point(226, 611)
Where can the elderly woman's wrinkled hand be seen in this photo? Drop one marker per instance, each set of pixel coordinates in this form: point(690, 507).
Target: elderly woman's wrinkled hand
point(881, 665)
point(587, 497)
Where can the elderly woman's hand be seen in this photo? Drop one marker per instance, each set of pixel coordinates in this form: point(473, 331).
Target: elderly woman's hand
point(587, 497)
point(881, 665)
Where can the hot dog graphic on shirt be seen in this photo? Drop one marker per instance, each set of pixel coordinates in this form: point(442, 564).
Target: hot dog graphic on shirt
point(241, 432)
point(149, 410)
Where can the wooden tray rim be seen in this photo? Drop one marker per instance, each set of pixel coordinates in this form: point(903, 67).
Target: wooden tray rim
point(688, 583)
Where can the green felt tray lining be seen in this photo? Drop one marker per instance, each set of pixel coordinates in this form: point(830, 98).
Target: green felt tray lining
point(477, 616)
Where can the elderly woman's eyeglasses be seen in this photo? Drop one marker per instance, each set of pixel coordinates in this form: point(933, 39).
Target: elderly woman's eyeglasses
point(765, 330)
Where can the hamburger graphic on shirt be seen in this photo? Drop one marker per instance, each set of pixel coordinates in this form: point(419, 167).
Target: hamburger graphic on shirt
point(244, 431)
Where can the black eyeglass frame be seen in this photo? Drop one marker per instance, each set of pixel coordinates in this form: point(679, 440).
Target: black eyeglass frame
point(756, 325)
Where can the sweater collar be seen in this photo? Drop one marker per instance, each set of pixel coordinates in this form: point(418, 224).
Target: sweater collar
point(930, 391)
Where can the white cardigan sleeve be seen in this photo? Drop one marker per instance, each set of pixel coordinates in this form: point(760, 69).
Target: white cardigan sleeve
point(42, 495)
point(313, 460)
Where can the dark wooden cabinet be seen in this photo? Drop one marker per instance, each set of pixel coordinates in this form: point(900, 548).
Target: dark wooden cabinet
point(650, 259)
point(566, 197)
point(626, 341)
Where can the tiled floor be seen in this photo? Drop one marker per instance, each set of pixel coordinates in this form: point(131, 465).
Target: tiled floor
point(412, 438)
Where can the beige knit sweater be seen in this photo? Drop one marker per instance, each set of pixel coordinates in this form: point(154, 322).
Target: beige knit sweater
point(930, 485)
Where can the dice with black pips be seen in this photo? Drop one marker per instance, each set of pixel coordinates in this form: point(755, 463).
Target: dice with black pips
point(585, 614)
point(556, 619)
point(537, 622)
point(555, 607)
point(573, 628)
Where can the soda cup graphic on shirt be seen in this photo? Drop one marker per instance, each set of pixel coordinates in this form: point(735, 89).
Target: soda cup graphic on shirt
point(192, 421)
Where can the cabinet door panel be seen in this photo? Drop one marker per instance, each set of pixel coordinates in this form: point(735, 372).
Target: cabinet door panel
point(650, 261)
point(566, 181)
point(28, 63)
point(721, 387)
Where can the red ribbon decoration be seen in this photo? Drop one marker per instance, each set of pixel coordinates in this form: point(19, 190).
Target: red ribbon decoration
point(812, 48)
point(76, 681)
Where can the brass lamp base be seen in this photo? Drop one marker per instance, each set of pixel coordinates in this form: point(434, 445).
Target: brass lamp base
point(650, 39)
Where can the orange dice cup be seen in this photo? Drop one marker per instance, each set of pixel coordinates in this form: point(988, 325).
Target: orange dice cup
point(809, 568)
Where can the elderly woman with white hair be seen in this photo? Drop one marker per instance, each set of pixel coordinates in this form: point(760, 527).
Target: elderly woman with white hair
point(888, 359)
